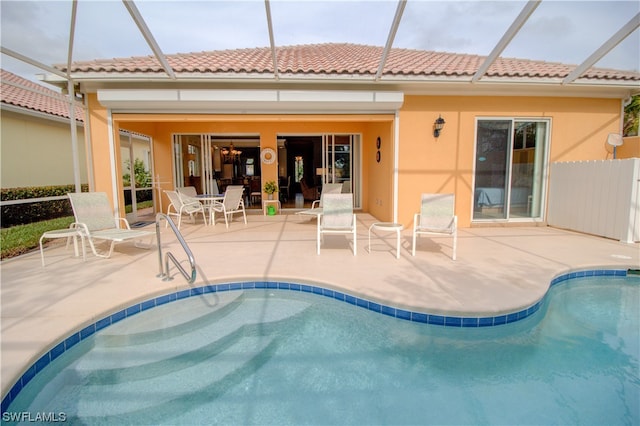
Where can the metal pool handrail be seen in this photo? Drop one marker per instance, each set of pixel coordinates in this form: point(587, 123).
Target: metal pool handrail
point(164, 273)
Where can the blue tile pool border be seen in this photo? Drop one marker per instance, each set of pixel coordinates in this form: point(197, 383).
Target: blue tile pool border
point(403, 314)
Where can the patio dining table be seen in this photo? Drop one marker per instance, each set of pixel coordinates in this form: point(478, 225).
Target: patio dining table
point(210, 197)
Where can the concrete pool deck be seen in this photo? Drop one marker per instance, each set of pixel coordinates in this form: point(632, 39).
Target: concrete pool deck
point(498, 270)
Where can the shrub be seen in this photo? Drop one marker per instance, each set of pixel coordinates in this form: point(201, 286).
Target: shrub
point(20, 214)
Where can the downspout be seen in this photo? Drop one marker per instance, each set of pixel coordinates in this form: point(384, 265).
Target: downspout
point(74, 136)
point(88, 146)
point(623, 105)
point(112, 159)
point(396, 162)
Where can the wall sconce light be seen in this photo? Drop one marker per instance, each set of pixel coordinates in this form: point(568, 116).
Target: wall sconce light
point(437, 126)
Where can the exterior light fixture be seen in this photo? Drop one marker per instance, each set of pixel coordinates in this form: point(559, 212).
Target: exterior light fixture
point(437, 126)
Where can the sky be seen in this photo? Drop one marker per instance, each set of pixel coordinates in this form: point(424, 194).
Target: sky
point(557, 31)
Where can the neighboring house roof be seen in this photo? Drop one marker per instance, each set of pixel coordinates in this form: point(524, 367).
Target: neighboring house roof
point(23, 93)
point(343, 60)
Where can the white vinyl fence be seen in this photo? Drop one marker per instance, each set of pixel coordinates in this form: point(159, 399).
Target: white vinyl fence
point(596, 197)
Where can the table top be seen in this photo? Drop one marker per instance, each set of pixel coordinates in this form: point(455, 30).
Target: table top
point(209, 197)
point(387, 225)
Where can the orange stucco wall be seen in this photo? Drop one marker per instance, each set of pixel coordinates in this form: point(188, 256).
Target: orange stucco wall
point(579, 128)
point(99, 137)
point(375, 176)
point(629, 149)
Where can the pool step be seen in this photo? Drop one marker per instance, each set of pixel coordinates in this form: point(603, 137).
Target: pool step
point(199, 340)
point(153, 377)
point(163, 395)
point(170, 320)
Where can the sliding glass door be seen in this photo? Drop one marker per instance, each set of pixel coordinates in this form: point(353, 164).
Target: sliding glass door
point(509, 169)
point(341, 163)
point(198, 161)
point(137, 176)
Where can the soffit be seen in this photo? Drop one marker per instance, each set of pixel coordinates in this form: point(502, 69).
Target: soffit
point(251, 101)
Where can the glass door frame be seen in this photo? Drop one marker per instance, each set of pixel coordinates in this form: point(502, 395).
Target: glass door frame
point(329, 174)
point(127, 153)
point(537, 199)
point(205, 167)
point(207, 156)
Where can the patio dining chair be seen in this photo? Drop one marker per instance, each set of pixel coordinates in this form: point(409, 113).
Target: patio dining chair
point(284, 189)
point(231, 203)
point(95, 218)
point(337, 217)
point(188, 191)
point(436, 216)
point(184, 206)
point(255, 195)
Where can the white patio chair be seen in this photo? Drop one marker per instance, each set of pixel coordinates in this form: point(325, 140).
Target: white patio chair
point(95, 217)
point(337, 217)
point(316, 206)
point(232, 203)
point(327, 188)
point(184, 206)
point(437, 216)
point(188, 191)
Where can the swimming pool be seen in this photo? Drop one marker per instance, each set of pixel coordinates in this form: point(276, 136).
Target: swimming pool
point(270, 356)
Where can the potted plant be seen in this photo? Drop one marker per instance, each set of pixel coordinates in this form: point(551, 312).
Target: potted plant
point(270, 187)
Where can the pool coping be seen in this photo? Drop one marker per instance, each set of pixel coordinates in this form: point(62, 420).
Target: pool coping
point(403, 314)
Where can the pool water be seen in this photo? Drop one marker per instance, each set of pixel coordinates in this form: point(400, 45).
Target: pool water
point(284, 357)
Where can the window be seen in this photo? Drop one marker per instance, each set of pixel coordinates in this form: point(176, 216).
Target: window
point(510, 160)
point(298, 168)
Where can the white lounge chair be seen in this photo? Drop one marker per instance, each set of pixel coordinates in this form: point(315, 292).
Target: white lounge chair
point(337, 217)
point(184, 206)
point(94, 217)
point(230, 204)
point(436, 217)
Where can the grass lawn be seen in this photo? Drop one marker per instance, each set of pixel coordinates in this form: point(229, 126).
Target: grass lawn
point(22, 239)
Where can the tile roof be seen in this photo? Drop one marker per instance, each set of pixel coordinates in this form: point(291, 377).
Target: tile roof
point(344, 59)
point(20, 92)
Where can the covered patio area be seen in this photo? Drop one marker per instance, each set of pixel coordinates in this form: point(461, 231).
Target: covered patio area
point(499, 270)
